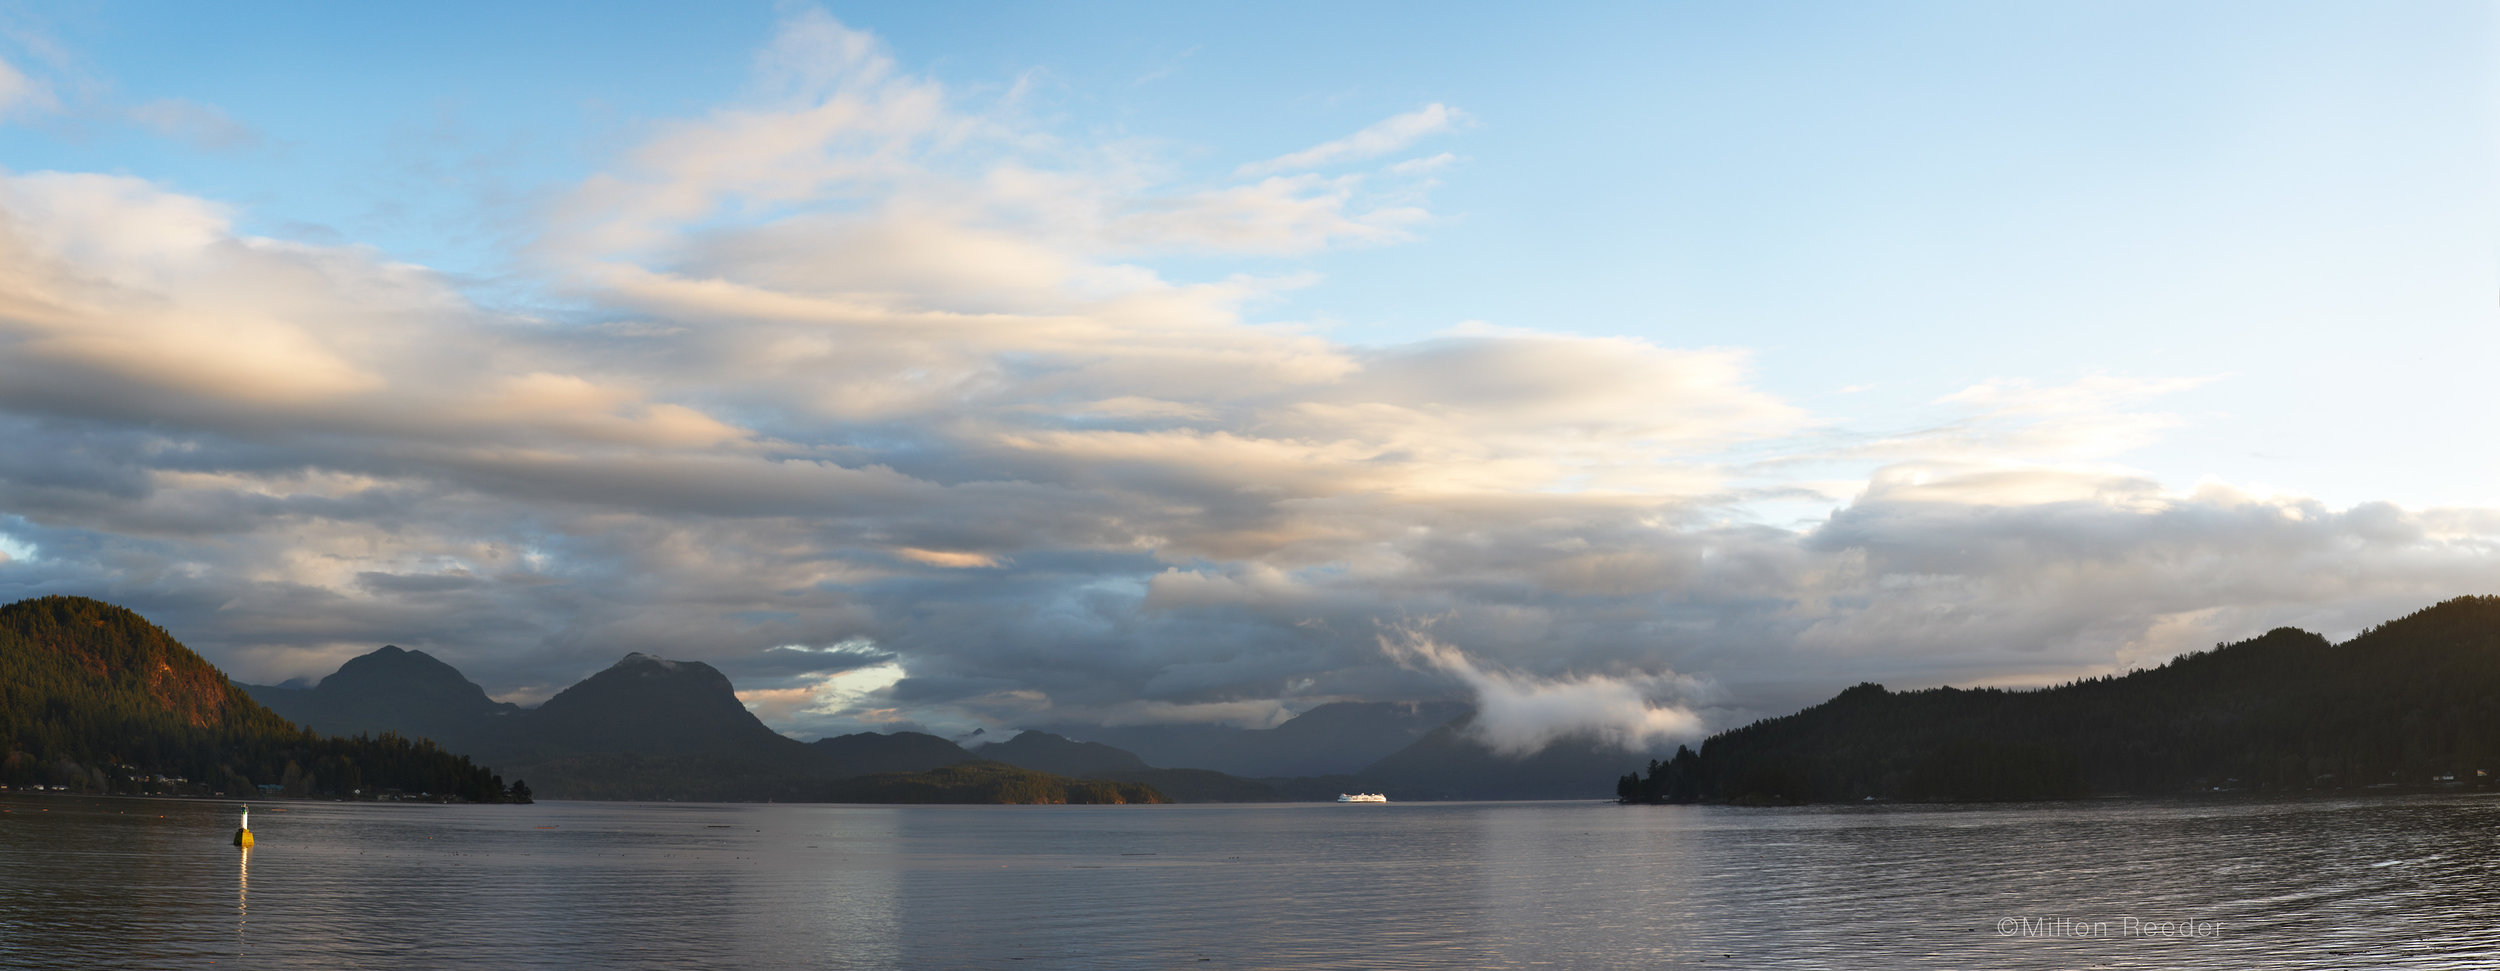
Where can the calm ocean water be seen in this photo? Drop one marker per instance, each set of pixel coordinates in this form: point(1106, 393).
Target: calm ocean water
point(129, 883)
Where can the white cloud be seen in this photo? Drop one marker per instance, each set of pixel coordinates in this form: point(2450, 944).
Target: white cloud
point(852, 696)
point(24, 95)
point(1376, 139)
point(1423, 166)
point(1281, 214)
point(1520, 715)
point(21, 95)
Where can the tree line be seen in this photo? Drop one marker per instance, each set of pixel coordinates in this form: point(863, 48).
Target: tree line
point(2411, 703)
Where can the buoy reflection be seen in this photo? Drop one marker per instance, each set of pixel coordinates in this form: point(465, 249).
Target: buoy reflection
point(242, 896)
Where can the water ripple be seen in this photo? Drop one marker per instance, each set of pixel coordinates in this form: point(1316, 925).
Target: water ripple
point(2400, 882)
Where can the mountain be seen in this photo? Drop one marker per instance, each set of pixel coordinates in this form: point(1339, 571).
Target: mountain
point(1336, 738)
point(393, 690)
point(1058, 755)
point(95, 698)
point(2409, 703)
point(871, 753)
point(1449, 762)
point(655, 706)
point(1440, 760)
point(1416, 750)
point(1339, 737)
point(651, 728)
point(1166, 745)
point(644, 728)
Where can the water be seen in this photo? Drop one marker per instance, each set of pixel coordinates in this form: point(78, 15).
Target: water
point(133, 883)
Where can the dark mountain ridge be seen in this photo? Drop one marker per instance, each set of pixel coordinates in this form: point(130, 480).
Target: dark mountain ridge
point(653, 706)
point(1450, 762)
point(1337, 738)
point(652, 728)
point(1059, 755)
point(873, 753)
point(1047, 752)
point(2413, 702)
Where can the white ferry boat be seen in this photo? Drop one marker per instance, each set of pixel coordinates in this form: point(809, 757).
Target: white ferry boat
point(1362, 797)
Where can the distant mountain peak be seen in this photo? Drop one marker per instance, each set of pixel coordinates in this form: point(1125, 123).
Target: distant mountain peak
point(389, 666)
point(655, 705)
point(639, 659)
point(389, 689)
point(1060, 755)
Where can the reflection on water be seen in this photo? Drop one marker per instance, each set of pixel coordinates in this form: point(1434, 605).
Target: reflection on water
point(2406, 882)
point(242, 898)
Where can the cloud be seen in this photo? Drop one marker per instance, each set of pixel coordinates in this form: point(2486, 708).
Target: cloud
point(1281, 214)
point(945, 558)
point(145, 292)
point(848, 360)
point(1376, 139)
point(1517, 715)
point(1419, 167)
point(21, 95)
point(853, 694)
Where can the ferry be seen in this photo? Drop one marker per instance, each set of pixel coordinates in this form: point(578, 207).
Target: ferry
point(1362, 797)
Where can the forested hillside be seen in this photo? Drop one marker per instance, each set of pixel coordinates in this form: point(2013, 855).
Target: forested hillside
point(2414, 702)
point(96, 699)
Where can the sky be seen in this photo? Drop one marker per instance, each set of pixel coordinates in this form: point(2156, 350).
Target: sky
point(1632, 368)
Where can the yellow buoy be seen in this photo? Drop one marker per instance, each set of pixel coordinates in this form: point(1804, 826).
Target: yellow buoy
point(243, 832)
